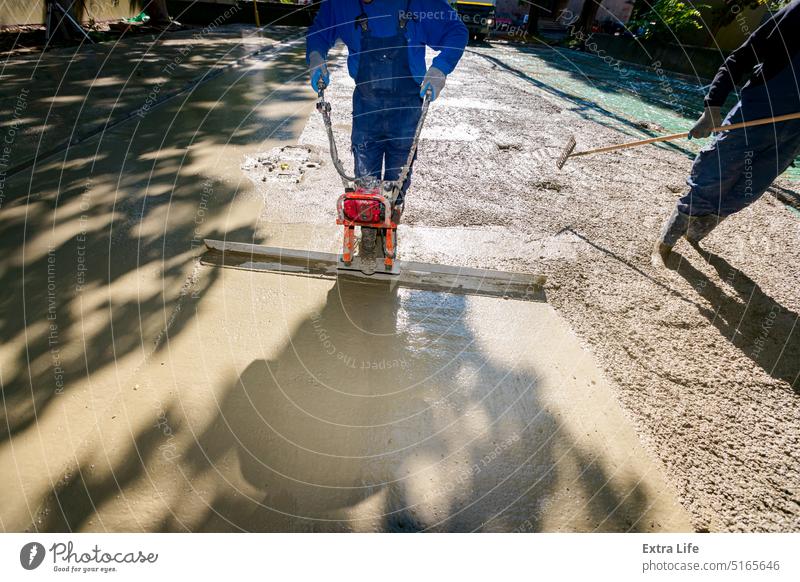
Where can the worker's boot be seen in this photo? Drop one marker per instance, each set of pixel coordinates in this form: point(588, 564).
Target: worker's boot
point(675, 227)
point(701, 226)
point(367, 248)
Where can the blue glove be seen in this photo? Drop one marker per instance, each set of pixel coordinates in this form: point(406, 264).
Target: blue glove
point(319, 71)
point(434, 79)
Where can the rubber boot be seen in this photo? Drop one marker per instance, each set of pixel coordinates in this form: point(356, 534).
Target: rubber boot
point(675, 227)
point(701, 226)
point(366, 249)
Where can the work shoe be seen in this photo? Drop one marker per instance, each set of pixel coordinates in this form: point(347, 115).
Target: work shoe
point(366, 249)
point(701, 226)
point(675, 227)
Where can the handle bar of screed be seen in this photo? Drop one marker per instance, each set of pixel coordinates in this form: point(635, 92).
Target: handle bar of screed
point(740, 125)
point(324, 107)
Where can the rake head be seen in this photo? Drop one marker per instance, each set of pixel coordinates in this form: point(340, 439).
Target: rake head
point(562, 159)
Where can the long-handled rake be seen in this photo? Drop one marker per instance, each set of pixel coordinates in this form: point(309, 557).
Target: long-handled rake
point(571, 143)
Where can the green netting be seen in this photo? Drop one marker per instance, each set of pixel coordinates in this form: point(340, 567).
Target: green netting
point(639, 101)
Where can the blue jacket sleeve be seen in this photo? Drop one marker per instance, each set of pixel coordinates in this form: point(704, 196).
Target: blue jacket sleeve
point(445, 33)
point(322, 32)
point(773, 44)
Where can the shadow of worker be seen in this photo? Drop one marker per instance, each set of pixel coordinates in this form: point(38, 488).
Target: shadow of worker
point(764, 330)
point(406, 410)
point(315, 428)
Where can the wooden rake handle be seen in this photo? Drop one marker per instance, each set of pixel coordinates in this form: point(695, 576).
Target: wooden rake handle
point(673, 136)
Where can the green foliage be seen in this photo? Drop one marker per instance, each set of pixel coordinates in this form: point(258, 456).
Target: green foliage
point(775, 5)
point(668, 18)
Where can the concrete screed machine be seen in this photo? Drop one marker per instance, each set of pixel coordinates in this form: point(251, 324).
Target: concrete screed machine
point(368, 203)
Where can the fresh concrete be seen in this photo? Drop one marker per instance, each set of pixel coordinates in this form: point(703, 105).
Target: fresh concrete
point(203, 399)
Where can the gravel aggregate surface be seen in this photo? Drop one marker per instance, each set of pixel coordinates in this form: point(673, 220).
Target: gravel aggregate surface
point(703, 354)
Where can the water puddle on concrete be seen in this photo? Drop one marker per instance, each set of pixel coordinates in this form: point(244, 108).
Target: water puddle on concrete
point(356, 406)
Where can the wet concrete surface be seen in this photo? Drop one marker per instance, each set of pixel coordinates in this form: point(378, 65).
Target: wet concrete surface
point(52, 100)
point(201, 399)
point(307, 405)
point(100, 244)
point(704, 357)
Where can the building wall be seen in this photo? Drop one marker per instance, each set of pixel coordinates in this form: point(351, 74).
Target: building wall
point(33, 11)
point(615, 11)
point(610, 10)
point(515, 9)
point(733, 35)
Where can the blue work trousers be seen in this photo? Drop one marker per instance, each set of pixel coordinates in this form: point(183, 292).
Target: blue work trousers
point(738, 166)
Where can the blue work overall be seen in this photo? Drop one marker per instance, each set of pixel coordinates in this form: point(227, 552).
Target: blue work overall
point(386, 105)
point(738, 166)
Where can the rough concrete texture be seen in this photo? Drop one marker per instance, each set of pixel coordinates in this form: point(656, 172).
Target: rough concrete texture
point(705, 356)
point(144, 392)
point(173, 373)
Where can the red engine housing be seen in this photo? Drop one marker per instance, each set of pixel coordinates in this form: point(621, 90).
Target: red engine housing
point(365, 206)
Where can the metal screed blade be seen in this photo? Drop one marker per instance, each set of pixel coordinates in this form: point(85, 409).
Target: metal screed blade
point(428, 276)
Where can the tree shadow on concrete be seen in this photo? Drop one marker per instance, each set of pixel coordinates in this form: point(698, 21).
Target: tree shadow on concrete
point(764, 330)
point(74, 500)
point(665, 89)
point(98, 245)
point(71, 95)
point(384, 413)
point(785, 195)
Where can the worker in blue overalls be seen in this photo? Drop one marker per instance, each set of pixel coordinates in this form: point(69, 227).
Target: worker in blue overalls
point(737, 167)
point(386, 42)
